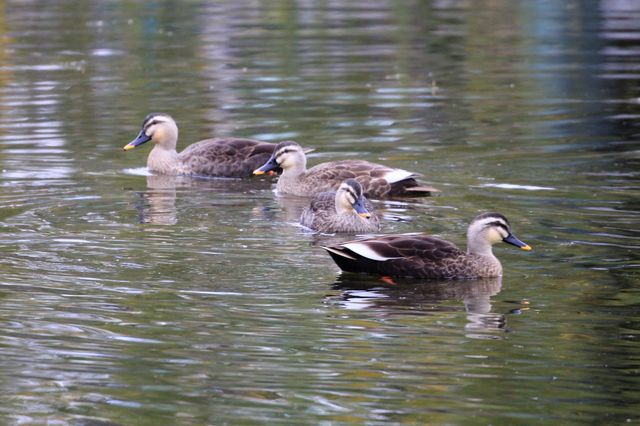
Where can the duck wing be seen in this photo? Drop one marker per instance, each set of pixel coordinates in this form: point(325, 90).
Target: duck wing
point(400, 246)
point(319, 212)
point(377, 181)
point(225, 157)
point(398, 255)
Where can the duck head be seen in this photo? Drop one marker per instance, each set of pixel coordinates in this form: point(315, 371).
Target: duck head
point(159, 128)
point(288, 156)
point(489, 229)
point(349, 198)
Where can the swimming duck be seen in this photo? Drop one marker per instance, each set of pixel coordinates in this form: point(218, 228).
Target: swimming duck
point(377, 181)
point(344, 210)
point(422, 256)
point(223, 157)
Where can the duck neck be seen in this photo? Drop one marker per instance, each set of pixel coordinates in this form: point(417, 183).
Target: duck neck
point(343, 207)
point(481, 255)
point(479, 247)
point(296, 169)
point(163, 160)
point(291, 175)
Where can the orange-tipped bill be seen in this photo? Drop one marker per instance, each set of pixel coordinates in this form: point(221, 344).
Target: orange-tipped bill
point(511, 239)
point(360, 208)
point(270, 165)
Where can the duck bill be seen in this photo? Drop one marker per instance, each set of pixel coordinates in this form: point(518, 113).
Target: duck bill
point(511, 239)
point(139, 140)
point(269, 166)
point(359, 207)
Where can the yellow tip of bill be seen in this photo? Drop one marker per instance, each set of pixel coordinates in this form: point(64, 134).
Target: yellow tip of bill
point(128, 147)
point(526, 247)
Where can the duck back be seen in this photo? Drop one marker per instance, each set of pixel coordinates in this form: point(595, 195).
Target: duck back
point(377, 181)
point(225, 157)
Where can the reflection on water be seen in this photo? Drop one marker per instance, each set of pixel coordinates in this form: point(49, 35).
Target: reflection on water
point(158, 203)
point(414, 296)
point(200, 301)
point(292, 206)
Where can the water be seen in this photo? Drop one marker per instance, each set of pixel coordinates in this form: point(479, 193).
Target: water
point(137, 299)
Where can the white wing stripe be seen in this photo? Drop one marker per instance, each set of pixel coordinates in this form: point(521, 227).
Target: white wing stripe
point(365, 251)
point(397, 175)
point(339, 253)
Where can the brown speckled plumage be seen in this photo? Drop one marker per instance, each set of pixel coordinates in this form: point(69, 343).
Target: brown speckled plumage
point(221, 157)
point(333, 211)
point(377, 181)
point(422, 256)
point(369, 175)
point(225, 157)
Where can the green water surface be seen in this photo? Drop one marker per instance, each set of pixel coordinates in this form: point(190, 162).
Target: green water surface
point(130, 299)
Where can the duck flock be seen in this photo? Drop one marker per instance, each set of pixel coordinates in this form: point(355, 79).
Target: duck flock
point(338, 192)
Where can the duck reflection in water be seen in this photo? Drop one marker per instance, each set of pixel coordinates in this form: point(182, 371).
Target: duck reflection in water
point(157, 205)
point(292, 206)
point(411, 296)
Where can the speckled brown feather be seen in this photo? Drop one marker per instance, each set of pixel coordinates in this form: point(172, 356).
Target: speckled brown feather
point(225, 157)
point(417, 256)
point(330, 175)
point(321, 216)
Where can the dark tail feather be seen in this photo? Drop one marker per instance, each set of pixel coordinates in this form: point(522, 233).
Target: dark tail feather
point(351, 262)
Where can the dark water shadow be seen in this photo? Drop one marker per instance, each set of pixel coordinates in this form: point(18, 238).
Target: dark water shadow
point(410, 296)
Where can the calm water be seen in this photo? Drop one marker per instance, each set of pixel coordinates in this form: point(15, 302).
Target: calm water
point(129, 299)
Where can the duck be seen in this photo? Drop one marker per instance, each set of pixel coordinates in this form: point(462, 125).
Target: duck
point(377, 181)
point(429, 257)
point(219, 157)
point(342, 211)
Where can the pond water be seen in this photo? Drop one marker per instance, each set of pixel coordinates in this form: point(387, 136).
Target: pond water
point(135, 299)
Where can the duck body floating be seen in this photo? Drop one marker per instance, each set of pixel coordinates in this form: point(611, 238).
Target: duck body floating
point(377, 181)
point(428, 257)
point(220, 157)
point(342, 211)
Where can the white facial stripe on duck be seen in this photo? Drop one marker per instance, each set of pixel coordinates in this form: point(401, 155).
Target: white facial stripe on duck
point(349, 187)
point(148, 129)
point(353, 191)
point(153, 119)
point(281, 154)
point(349, 199)
point(286, 152)
point(497, 229)
point(500, 227)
